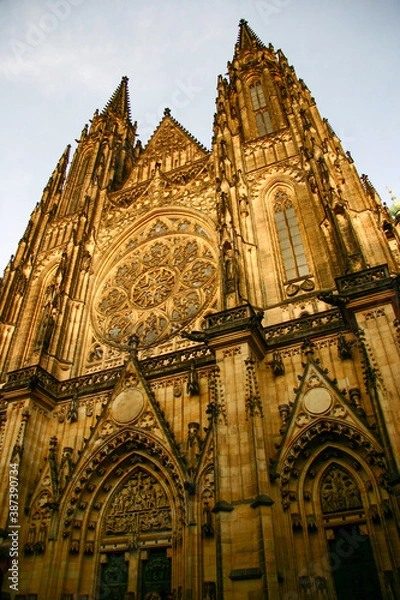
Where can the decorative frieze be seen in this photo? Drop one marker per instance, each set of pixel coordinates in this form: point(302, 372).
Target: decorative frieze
point(368, 278)
point(230, 352)
point(306, 326)
point(374, 314)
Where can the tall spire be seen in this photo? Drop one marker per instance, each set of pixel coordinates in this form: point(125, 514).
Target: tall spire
point(119, 103)
point(247, 39)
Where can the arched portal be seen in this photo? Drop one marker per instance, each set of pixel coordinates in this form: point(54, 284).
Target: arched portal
point(335, 491)
point(350, 554)
point(124, 520)
point(136, 537)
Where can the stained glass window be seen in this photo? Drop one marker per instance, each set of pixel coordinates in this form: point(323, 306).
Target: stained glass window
point(291, 245)
point(263, 119)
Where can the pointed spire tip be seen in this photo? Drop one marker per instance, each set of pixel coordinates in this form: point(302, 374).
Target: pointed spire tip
point(119, 102)
point(247, 37)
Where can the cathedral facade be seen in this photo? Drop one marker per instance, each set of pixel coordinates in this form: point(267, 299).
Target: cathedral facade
point(200, 361)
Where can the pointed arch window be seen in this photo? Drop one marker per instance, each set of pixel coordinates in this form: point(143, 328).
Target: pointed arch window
point(263, 119)
point(291, 245)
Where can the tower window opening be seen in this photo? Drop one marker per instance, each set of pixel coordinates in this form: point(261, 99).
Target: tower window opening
point(263, 119)
point(264, 124)
point(292, 250)
point(257, 96)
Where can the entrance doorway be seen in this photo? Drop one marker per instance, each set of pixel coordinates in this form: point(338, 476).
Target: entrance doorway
point(156, 573)
point(353, 565)
point(114, 577)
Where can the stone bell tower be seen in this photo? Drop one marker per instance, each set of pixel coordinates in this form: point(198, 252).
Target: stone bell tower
point(311, 218)
point(199, 357)
point(46, 283)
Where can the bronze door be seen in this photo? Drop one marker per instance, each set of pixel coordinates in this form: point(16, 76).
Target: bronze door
point(156, 573)
point(114, 578)
point(353, 565)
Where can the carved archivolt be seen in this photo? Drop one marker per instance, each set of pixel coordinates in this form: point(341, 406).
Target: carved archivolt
point(143, 498)
point(163, 279)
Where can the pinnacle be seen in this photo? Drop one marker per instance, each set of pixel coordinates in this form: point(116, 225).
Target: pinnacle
point(119, 103)
point(247, 38)
point(64, 159)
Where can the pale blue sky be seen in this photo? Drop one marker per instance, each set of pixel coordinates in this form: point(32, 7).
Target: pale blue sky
point(62, 59)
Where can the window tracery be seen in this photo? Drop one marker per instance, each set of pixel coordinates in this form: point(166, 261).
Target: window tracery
point(162, 280)
point(259, 103)
point(291, 245)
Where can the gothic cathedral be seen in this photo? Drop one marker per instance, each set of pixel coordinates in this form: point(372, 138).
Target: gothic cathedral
point(199, 359)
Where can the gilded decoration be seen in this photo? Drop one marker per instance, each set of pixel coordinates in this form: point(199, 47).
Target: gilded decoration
point(140, 506)
point(161, 281)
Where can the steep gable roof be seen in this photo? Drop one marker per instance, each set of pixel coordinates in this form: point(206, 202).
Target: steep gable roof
point(170, 136)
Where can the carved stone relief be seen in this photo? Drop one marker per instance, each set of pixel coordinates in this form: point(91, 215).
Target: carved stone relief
point(194, 445)
point(216, 408)
point(38, 524)
point(140, 506)
point(339, 491)
point(253, 396)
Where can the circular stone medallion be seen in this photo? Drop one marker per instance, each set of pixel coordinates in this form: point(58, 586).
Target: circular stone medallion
point(127, 406)
point(317, 400)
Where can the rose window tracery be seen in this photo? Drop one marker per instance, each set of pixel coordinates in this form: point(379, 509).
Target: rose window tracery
point(153, 287)
point(163, 279)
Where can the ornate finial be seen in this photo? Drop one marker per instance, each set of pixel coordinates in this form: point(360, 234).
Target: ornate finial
point(167, 112)
point(133, 343)
point(308, 349)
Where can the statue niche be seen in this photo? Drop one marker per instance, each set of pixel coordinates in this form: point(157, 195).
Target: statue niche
point(38, 524)
point(339, 491)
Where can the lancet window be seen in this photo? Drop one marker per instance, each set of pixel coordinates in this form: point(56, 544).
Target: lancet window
point(263, 119)
point(291, 245)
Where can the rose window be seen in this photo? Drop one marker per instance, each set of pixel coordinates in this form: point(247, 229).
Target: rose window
point(153, 287)
point(161, 281)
